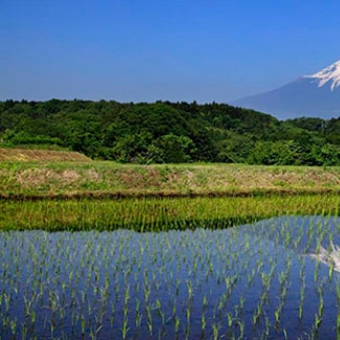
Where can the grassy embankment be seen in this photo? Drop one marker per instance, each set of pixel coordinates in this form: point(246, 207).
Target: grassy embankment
point(52, 174)
point(76, 193)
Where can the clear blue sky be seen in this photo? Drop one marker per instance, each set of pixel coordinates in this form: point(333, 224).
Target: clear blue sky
point(145, 50)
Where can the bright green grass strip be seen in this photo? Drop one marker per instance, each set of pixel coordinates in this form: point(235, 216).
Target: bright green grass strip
point(158, 214)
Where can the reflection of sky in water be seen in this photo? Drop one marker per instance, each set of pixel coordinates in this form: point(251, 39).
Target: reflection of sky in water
point(303, 234)
point(83, 280)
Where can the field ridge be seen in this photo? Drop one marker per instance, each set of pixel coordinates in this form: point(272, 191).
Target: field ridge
point(102, 179)
point(159, 195)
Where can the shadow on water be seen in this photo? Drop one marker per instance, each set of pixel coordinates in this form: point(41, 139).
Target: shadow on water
point(253, 281)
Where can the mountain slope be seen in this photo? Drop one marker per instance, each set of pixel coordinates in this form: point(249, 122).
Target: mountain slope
point(316, 95)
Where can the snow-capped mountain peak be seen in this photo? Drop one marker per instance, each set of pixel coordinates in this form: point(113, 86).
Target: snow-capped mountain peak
point(316, 95)
point(330, 74)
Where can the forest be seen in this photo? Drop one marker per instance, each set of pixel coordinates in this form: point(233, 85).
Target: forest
point(168, 132)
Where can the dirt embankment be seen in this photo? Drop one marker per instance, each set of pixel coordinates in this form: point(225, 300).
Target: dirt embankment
point(40, 155)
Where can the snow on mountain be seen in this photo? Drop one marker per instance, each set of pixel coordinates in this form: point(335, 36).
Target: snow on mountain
point(329, 74)
point(316, 95)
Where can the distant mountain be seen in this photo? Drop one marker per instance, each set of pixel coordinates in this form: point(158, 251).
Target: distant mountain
point(316, 95)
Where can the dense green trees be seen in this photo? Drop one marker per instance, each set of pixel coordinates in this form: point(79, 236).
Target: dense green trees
point(165, 132)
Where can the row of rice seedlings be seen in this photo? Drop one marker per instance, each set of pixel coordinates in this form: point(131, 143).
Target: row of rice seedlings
point(158, 214)
point(241, 282)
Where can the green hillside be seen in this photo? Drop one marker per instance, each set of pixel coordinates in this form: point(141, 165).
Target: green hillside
point(165, 132)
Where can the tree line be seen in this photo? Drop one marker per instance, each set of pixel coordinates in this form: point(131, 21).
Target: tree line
point(167, 132)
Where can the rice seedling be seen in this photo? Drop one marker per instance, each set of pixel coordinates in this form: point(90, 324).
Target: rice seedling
point(302, 298)
point(157, 214)
point(245, 282)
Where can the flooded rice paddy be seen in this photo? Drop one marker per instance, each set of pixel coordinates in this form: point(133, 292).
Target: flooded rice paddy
point(278, 278)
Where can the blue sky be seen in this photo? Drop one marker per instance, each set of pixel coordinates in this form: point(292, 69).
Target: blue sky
point(134, 50)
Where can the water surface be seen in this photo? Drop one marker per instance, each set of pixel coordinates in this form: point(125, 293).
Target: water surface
point(250, 281)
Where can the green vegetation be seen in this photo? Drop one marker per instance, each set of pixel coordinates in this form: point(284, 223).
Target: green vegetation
point(158, 214)
point(102, 179)
point(165, 132)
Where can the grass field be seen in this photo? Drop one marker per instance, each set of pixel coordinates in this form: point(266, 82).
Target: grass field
point(110, 195)
point(55, 174)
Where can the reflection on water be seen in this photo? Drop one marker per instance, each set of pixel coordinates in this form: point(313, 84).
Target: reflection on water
point(260, 280)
